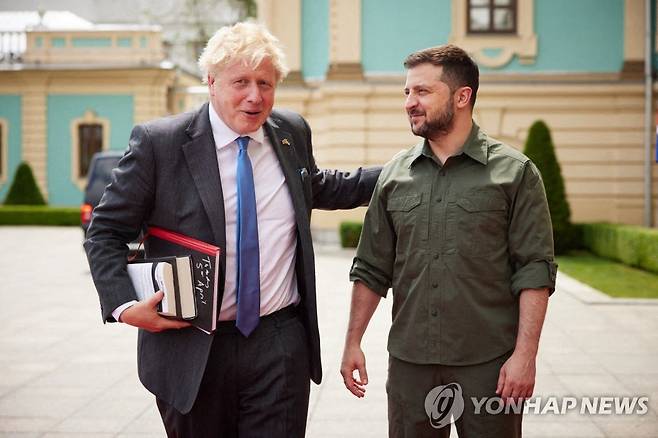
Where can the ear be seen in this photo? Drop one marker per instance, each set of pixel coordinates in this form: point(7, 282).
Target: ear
point(211, 83)
point(463, 96)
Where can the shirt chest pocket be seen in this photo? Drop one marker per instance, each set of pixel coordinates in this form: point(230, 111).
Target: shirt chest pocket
point(481, 225)
point(409, 217)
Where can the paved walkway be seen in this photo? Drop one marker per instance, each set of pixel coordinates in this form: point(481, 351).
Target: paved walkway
point(65, 374)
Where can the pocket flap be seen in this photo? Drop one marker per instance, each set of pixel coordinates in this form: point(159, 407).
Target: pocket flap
point(403, 203)
point(473, 205)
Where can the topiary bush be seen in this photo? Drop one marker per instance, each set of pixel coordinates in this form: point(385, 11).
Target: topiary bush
point(24, 189)
point(540, 149)
point(350, 232)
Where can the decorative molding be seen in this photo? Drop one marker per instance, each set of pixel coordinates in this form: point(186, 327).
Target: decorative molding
point(345, 40)
point(94, 47)
point(34, 150)
point(496, 50)
point(595, 119)
point(634, 17)
point(89, 117)
point(345, 71)
point(294, 78)
point(284, 20)
point(633, 70)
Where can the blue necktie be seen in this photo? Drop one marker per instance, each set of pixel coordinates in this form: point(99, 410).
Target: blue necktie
point(248, 259)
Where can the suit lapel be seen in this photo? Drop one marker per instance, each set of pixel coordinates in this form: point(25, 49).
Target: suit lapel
point(283, 144)
point(201, 158)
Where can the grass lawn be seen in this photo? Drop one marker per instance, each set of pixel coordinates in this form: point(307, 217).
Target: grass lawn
point(613, 278)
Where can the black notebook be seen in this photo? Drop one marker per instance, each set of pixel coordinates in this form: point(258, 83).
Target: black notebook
point(172, 276)
point(204, 261)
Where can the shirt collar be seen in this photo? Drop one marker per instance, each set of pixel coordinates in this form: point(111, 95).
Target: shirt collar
point(476, 147)
point(224, 135)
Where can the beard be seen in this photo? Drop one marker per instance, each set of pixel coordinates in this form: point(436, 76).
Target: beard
point(437, 126)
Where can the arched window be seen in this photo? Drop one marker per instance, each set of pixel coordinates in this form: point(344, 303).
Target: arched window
point(89, 134)
point(90, 141)
point(495, 31)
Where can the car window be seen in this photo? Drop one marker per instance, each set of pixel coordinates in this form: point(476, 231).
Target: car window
point(99, 177)
point(103, 168)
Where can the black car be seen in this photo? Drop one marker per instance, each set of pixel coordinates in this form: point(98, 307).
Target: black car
point(99, 176)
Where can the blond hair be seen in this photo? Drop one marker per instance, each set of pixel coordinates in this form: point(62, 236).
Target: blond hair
point(247, 41)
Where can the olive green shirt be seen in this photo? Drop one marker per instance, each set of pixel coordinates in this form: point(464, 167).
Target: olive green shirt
point(457, 244)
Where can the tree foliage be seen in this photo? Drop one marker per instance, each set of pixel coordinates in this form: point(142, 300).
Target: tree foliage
point(249, 8)
point(540, 149)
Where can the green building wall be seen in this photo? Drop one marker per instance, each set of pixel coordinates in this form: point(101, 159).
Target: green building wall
point(10, 111)
point(62, 110)
point(315, 39)
point(582, 36)
point(392, 29)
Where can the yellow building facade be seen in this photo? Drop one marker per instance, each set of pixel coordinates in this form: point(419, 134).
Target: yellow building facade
point(594, 107)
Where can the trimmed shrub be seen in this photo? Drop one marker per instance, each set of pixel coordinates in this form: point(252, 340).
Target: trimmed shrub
point(24, 189)
point(350, 232)
point(540, 149)
point(632, 245)
point(39, 215)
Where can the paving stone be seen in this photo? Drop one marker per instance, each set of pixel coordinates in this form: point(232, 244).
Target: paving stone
point(65, 374)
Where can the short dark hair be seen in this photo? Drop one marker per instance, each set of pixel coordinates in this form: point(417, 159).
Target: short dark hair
point(459, 70)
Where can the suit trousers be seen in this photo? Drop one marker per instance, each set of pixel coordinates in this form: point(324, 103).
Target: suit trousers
point(409, 384)
point(252, 387)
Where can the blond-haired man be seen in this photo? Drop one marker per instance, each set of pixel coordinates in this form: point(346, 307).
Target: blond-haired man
point(240, 175)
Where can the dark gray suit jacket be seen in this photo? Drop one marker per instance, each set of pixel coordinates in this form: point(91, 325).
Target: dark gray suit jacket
point(169, 178)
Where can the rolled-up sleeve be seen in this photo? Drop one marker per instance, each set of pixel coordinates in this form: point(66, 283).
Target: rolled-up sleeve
point(375, 254)
point(531, 235)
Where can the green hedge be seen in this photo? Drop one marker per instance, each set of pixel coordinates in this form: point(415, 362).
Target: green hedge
point(39, 215)
point(350, 233)
point(631, 245)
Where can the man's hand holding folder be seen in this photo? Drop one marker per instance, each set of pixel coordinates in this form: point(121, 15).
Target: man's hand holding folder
point(186, 286)
point(144, 314)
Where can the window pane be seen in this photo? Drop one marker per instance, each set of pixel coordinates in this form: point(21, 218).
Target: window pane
point(502, 2)
point(479, 2)
point(480, 19)
point(91, 141)
point(503, 19)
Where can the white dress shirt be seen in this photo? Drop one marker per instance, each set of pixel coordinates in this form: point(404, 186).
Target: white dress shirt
point(277, 232)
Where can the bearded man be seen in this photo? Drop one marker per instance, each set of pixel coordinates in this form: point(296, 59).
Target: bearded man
point(459, 228)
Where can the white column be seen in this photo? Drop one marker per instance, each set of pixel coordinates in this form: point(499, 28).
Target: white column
point(633, 39)
point(345, 40)
point(284, 19)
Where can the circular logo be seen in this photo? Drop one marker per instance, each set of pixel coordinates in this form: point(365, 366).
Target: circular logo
point(444, 404)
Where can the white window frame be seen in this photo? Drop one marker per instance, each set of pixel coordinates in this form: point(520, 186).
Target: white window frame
point(504, 46)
